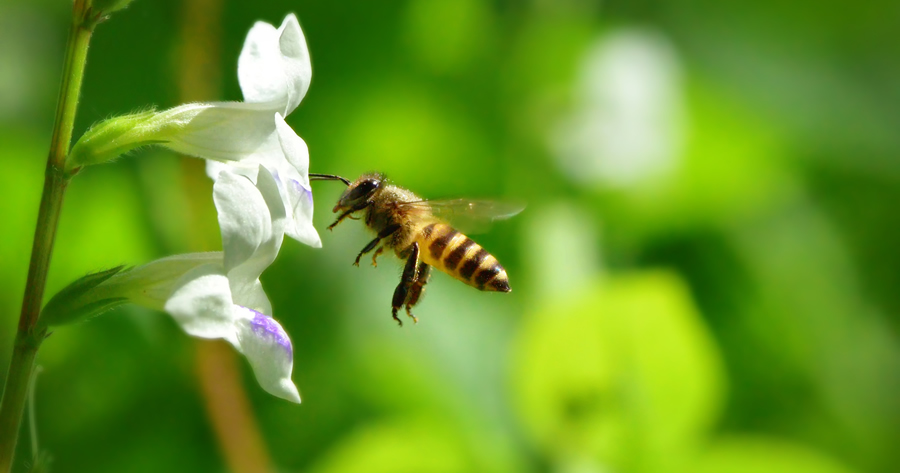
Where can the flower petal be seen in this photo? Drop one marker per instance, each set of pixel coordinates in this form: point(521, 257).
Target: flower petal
point(268, 349)
point(150, 285)
point(296, 190)
point(202, 304)
point(296, 61)
point(244, 219)
point(251, 294)
point(274, 64)
point(260, 72)
point(220, 131)
point(252, 219)
point(295, 150)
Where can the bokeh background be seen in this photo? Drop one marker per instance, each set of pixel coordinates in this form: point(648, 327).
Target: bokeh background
point(705, 278)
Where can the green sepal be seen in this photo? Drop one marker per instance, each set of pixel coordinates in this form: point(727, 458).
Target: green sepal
point(112, 138)
point(93, 309)
point(80, 300)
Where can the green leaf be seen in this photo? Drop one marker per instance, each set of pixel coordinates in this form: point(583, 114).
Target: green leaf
point(623, 371)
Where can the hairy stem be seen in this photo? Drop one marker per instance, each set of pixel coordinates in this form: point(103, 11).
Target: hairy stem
point(29, 336)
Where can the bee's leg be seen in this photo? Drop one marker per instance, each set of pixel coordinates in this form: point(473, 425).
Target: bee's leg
point(406, 281)
point(348, 212)
point(415, 291)
point(378, 251)
point(341, 218)
point(372, 244)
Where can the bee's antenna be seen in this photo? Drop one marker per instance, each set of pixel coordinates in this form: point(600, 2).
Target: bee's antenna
point(328, 177)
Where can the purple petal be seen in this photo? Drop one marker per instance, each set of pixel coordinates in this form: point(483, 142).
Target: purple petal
point(265, 326)
point(299, 188)
point(268, 349)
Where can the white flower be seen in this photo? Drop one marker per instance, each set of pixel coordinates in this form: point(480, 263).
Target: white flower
point(218, 295)
point(274, 72)
point(261, 192)
point(227, 301)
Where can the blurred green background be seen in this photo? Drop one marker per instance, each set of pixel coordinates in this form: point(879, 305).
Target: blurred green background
point(705, 278)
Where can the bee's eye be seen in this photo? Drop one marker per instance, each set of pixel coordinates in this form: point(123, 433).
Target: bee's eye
point(367, 186)
point(362, 190)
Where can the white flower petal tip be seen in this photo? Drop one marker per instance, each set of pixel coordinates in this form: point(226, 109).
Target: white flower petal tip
point(297, 65)
point(274, 65)
point(269, 351)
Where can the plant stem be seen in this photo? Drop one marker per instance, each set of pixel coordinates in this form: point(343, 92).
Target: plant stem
point(29, 335)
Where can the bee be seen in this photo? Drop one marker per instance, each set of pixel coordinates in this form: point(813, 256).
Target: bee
point(416, 231)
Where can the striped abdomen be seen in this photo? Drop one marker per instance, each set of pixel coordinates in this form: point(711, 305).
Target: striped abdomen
point(457, 255)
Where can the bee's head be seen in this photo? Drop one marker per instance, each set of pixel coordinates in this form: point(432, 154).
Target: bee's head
point(360, 192)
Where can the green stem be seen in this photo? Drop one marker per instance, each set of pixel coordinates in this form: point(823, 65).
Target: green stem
point(29, 335)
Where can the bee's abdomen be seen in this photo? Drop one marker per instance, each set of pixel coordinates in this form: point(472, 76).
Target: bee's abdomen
point(462, 258)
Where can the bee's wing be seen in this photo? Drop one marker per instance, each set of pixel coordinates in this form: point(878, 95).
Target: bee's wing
point(468, 215)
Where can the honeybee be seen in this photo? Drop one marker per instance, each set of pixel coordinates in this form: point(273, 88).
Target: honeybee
point(416, 230)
